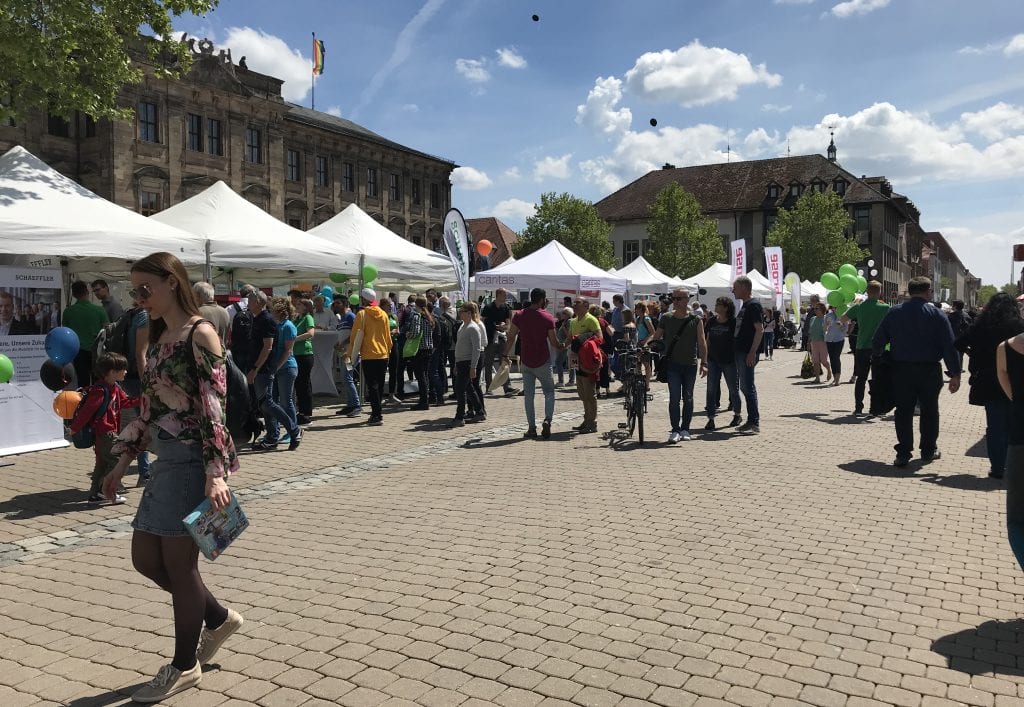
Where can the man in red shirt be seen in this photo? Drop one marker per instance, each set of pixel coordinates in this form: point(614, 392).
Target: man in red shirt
point(536, 328)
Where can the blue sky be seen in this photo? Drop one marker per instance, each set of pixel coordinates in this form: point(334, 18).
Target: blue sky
point(929, 93)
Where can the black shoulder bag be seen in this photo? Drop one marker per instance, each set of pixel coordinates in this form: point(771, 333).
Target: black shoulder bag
point(662, 368)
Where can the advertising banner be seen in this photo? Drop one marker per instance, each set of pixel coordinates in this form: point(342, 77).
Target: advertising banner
point(793, 280)
point(30, 306)
point(738, 259)
point(773, 269)
point(456, 242)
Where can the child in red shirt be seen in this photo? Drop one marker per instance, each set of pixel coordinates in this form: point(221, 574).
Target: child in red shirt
point(111, 368)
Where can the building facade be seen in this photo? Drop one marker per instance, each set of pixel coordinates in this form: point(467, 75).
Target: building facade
point(223, 121)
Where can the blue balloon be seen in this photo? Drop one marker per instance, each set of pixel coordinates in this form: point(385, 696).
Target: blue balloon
point(328, 292)
point(62, 345)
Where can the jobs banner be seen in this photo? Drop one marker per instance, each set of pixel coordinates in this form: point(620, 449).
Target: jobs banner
point(30, 301)
point(773, 266)
point(738, 258)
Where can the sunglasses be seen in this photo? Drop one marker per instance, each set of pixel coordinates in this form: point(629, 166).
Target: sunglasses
point(141, 292)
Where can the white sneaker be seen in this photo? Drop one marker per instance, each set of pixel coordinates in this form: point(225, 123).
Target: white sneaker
point(686, 436)
point(211, 639)
point(674, 437)
point(169, 681)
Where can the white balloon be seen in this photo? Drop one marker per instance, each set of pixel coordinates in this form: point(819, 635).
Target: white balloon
point(874, 273)
point(871, 263)
point(861, 273)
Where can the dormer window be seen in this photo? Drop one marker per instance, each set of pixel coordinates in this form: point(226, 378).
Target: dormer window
point(818, 186)
point(795, 189)
point(839, 186)
point(773, 191)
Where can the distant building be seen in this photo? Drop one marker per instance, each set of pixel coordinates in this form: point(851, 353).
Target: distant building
point(492, 229)
point(222, 121)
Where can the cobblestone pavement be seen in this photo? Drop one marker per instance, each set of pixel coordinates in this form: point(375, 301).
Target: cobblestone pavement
point(410, 565)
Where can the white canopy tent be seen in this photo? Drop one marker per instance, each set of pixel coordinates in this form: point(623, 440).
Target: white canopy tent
point(646, 279)
point(362, 240)
point(45, 214)
point(553, 267)
point(717, 280)
point(250, 243)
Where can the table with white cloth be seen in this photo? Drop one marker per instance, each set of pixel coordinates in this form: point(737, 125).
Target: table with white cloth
point(322, 376)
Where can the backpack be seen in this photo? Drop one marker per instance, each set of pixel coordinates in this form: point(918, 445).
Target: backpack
point(85, 438)
point(241, 331)
point(444, 333)
point(113, 338)
point(243, 422)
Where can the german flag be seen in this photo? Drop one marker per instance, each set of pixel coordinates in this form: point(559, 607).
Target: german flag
point(318, 56)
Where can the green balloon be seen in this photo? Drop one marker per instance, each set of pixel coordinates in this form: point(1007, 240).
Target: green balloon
point(830, 281)
point(848, 282)
point(337, 278)
point(841, 309)
point(835, 298)
point(369, 272)
point(353, 299)
point(369, 284)
point(849, 295)
point(862, 283)
point(6, 369)
point(847, 269)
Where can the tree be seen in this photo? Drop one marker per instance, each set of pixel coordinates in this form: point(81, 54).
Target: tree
point(64, 56)
point(812, 236)
point(985, 293)
point(1011, 289)
point(571, 221)
point(683, 241)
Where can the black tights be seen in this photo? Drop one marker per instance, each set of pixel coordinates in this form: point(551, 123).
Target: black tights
point(173, 564)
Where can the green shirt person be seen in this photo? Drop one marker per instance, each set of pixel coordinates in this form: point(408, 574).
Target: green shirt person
point(868, 315)
point(83, 317)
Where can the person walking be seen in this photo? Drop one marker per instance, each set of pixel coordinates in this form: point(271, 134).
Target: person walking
point(183, 422)
point(583, 327)
point(644, 331)
point(420, 324)
point(835, 337)
point(496, 316)
point(279, 403)
point(138, 338)
point(684, 333)
point(346, 319)
point(769, 334)
point(867, 316)
point(85, 319)
point(560, 356)
point(816, 339)
point(211, 311)
point(468, 355)
point(920, 336)
point(371, 343)
point(721, 340)
point(749, 331)
point(1010, 371)
point(1000, 320)
point(305, 326)
point(110, 305)
point(535, 327)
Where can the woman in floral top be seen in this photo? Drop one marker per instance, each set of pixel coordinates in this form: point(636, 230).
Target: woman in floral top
point(182, 419)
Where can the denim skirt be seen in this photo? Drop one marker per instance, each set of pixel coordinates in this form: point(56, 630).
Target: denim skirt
point(177, 484)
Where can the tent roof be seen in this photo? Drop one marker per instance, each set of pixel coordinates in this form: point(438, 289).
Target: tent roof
point(250, 242)
point(645, 277)
point(554, 266)
point(356, 234)
point(44, 213)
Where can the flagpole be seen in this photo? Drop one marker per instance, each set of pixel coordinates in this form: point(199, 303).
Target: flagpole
point(312, 78)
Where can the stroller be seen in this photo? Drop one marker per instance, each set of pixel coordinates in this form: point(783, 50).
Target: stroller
point(786, 335)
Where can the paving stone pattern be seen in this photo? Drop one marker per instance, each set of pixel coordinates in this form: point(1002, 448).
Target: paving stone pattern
point(410, 565)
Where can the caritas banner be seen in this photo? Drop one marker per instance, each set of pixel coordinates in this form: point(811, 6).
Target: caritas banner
point(773, 268)
point(738, 258)
point(456, 241)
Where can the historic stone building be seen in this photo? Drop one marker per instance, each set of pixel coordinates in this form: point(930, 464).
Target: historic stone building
point(223, 121)
point(745, 197)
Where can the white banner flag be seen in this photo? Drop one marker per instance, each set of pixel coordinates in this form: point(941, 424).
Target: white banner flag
point(773, 268)
point(739, 258)
point(456, 241)
point(793, 280)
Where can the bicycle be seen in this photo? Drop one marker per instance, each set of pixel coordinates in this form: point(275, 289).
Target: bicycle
point(635, 392)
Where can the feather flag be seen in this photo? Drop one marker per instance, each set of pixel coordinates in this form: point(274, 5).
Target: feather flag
point(318, 56)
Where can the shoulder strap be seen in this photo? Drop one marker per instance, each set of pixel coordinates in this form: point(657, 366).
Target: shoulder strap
point(102, 409)
point(675, 339)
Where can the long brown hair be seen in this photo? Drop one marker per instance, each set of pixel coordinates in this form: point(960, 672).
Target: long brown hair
point(163, 265)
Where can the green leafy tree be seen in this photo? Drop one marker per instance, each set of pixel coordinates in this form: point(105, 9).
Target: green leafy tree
point(812, 237)
point(985, 293)
point(571, 221)
point(683, 241)
point(69, 55)
point(1011, 289)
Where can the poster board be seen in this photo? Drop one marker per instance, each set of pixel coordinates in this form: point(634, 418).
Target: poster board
point(30, 306)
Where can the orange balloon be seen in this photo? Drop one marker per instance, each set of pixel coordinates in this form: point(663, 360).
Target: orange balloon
point(65, 403)
point(484, 248)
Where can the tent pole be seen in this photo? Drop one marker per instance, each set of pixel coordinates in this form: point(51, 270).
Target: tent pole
point(207, 269)
point(362, 378)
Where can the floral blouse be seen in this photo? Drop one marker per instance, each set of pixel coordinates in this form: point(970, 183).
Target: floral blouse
point(189, 407)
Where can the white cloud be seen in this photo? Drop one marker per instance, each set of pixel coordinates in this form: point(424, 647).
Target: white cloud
point(776, 108)
point(270, 54)
point(599, 111)
point(470, 178)
point(411, 108)
point(857, 7)
point(1015, 45)
point(995, 122)
point(513, 209)
point(759, 143)
point(335, 111)
point(983, 244)
point(552, 168)
point(510, 57)
point(695, 75)
point(512, 173)
point(474, 70)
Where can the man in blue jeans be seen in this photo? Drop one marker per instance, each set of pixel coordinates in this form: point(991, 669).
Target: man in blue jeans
point(749, 332)
point(683, 334)
point(346, 318)
point(536, 328)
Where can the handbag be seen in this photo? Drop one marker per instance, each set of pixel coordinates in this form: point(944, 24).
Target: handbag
point(807, 367)
point(412, 343)
point(661, 369)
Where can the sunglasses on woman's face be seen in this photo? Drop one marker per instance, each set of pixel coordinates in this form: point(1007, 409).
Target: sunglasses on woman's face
point(142, 292)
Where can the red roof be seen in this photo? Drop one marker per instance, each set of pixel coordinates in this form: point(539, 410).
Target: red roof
point(493, 230)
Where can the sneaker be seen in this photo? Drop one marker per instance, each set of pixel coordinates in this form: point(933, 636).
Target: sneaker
point(928, 457)
point(858, 410)
point(345, 410)
point(530, 433)
point(674, 437)
point(545, 429)
point(479, 417)
point(303, 419)
point(375, 420)
point(169, 681)
point(995, 474)
point(264, 446)
point(354, 412)
point(211, 639)
point(510, 392)
point(736, 420)
point(294, 444)
point(750, 428)
point(98, 499)
point(901, 460)
point(711, 425)
point(587, 428)
point(393, 400)
point(457, 422)
point(686, 436)
point(121, 489)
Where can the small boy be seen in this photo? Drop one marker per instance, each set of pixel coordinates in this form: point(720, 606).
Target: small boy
point(111, 369)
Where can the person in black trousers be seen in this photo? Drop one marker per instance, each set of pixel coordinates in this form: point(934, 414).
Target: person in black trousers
point(920, 336)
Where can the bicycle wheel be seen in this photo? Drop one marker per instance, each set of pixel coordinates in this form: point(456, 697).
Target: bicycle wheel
point(630, 408)
point(639, 406)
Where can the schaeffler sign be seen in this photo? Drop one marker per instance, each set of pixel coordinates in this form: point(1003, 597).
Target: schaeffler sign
point(773, 265)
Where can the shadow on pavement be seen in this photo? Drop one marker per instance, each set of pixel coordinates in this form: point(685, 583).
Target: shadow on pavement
point(993, 647)
point(978, 449)
point(46, 503)
point(106, 698)
point(918, 470)
point(845, 419)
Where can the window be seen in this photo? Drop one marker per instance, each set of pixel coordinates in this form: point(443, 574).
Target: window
point(417, 198)
point(795, 189)
point(773, 191)
point(148, 128)
point(839, 186)
point(254, 145)
point(57, 125)
point(323, 176)
point(296, 222)
point(294, 166)
point(195, 132)
point(371, 181)
point(394, 188)
point(769, 221)
point(214, 145)
point(861, 220)
point(348, 179)
point(630, 251)
point(149, 202)
point(435, 196)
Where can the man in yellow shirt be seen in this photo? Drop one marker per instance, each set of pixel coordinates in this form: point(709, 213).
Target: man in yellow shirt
point(371, 342)
point(584, 323)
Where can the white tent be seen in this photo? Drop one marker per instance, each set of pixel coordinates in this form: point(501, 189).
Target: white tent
point(717, 280)
point(253, 245)
point(44, 213)
point(762, 281)
point(646, 279)
point(553, 267)
point(362, 240)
